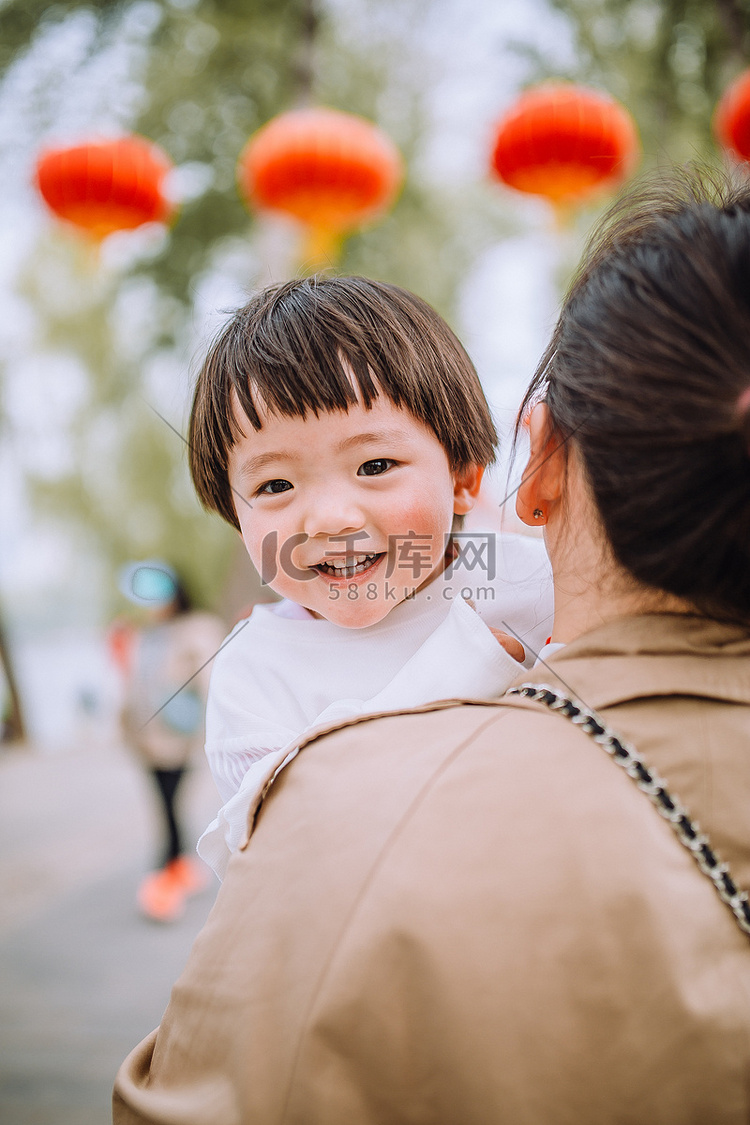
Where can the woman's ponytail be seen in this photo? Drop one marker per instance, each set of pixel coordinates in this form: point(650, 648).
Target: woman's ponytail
point(648, 372)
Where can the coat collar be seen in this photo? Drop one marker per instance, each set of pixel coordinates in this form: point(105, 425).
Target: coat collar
point(652, 655)
point(629, 658)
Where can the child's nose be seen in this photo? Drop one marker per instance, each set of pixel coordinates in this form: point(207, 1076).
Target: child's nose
point(333, 514)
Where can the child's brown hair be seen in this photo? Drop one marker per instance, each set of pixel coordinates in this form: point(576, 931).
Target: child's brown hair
point(294, 348)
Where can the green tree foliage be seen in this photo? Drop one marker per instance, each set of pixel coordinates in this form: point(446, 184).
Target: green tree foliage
point(668, 60)
point(215, 71)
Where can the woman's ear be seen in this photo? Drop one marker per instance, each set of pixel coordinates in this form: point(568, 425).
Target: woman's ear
point(543, 477)
point(466, 484)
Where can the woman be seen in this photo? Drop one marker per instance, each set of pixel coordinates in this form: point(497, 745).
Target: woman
point(165, 666)
point(471, 913)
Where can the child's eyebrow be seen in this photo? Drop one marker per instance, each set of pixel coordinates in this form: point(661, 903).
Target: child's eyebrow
point(253, 465)
point(373, 437)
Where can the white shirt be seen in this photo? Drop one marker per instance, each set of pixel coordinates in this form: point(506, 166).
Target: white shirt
point(549, 649)
point(283, 673)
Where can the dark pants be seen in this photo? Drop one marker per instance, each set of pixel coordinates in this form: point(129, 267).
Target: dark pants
point(167, 784)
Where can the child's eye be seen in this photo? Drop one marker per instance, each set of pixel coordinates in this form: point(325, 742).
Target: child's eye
point(375, 468)
point(272, 487)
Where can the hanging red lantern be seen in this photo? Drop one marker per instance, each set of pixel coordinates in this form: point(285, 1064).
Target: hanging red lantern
point(106, 185)
point(732, 117)
point(565, 143)
point(332, 171)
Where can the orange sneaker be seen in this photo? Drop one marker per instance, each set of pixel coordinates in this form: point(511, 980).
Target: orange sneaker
point(161, 895)
point(190, 873)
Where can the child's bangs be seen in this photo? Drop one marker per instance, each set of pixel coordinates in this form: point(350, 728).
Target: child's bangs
point(322, 380)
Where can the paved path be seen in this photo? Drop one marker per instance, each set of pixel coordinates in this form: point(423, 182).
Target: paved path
point(82, 976)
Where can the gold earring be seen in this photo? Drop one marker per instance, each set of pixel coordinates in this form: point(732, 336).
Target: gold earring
point(538, 514)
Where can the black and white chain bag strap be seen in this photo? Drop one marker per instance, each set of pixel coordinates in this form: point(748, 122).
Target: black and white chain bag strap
point(687, 831)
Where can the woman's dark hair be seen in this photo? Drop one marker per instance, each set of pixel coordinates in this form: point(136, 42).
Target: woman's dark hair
point(648, 374)
point(290, 349)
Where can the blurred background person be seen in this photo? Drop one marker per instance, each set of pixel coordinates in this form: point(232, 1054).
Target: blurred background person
point(165, 665)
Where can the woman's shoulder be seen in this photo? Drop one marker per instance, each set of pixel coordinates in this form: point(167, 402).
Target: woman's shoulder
point(515, 798)
point(496, 879)
point(467, 782)
point(525, 816)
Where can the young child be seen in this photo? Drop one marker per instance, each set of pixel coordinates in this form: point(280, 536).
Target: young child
point(340, 427)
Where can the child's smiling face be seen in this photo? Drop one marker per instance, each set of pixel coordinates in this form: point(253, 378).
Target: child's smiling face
point(347, 513)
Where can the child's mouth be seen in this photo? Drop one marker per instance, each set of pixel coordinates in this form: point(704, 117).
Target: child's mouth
point(357, 564)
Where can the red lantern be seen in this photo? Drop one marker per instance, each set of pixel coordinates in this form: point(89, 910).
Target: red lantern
point(332, 171)
point(104, 186)
point(732, 117)
point(565, 143)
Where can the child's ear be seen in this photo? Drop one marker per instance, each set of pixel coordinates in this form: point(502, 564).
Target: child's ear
point(544, 475)
point(466, 484)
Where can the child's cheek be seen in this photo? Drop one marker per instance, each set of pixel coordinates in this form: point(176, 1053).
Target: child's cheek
point(262, 545)
point(278, 555)
point(424, 518)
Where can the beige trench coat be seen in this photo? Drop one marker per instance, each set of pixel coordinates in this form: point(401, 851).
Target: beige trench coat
point(470, 915)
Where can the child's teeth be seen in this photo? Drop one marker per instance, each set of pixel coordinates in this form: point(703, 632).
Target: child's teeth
point(347, 569)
